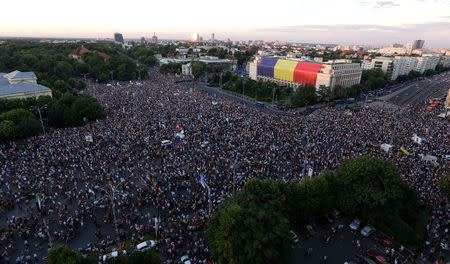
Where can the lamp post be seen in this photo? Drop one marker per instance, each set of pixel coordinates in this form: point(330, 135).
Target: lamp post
point(39, 110)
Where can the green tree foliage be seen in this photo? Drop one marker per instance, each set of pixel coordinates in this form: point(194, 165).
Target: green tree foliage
point(304, 95)
point(173, 68)
point(252, 226)
point(198, 68)
point(249, 228)
point(63, 254)
point(372, 189)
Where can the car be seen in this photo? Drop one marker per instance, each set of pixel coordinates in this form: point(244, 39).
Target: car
point(329, 218)
point(113, 254)
point(166, 142)
point(294, 236)
point(367, 230)
point(384, 242)
point(185, 260)
point(336, 213)
point(376, 257)
point(355, 224)
point(368, 261)
point(310, 230)
point(146, 245)
point(259, 104)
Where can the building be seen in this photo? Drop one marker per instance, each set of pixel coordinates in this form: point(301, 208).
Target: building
point(118, 37)
point(409, 48)
point(418, 44)
point(154, 39)
point(78, 52)
point(18, 84)
point(195, 37)
point(402, 66)
point(366, 65)
point(445, 61)
point(212, 38)
point(294, 73)
point(392, 50)
point(383, 63)
point(186, 69)
point(142, 40)
point(427, 62)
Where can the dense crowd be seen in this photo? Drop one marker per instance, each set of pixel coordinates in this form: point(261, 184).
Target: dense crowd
point(126, 174)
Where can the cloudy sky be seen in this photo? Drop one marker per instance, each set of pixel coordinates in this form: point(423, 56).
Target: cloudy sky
point(319, 21)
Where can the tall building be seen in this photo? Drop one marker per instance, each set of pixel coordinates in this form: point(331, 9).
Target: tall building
point(154, 39)
point(427, 62)
point(142, 41)
point(385, 64)
point(409, 48)
point(212, 37)
point(118, 37)
point(195, 37)
point(402, 66)
point(418, 44)
point(294, 73)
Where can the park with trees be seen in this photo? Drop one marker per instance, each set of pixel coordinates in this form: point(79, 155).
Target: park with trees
point(253, 225)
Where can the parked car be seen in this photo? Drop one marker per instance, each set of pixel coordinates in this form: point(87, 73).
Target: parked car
point(355, 224)
point(367, 230)
point(336, 213)
point(259, 104)
point(368, 261)
point(384, 242)
point(185, 260)
point(310, 230)
point(294, 236)
point(166, 142)
point(376, 257)
point(146, 245)
point(113, 254)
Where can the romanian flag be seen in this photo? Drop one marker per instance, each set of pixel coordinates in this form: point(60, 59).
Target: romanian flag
point(148, 177)
point(404, 150)
point(3, 237)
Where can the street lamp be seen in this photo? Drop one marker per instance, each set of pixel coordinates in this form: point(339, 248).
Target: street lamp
point(112, 72)
point(39, 110)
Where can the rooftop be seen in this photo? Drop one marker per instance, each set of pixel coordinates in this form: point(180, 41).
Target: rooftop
point(19, 75)
point(23, 87)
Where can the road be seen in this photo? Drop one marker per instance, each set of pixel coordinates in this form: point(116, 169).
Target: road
point(417, 92)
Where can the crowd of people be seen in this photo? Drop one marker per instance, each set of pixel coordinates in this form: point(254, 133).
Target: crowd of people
point(63, 187)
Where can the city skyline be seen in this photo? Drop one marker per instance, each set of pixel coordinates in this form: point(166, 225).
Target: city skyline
point(347, 22)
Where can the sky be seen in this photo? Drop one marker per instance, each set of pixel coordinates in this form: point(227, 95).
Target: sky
point(364, 22)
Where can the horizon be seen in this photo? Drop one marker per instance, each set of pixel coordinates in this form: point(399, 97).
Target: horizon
point(349, 22)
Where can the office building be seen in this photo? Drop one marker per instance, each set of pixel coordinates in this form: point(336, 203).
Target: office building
point(418, 44)
point(142, 41)
point(212, 38)
point(118, 37)
point(294, 73)
point(385, 64)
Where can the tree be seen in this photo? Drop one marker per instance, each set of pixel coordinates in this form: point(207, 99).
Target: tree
point(63, 70)
point(63, 254)
point(304, 95)
point(7, 130)
point(198, 68)
point(249, 227)
point(324, 92)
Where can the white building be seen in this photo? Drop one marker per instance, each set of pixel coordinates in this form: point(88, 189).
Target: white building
point(402, 66)
point(392, 50)
point(186, 69)
point(427, 62)
point(383, 63)
point(18, 84)
point(339, 74)
point(445, 61)
point(366, 65)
